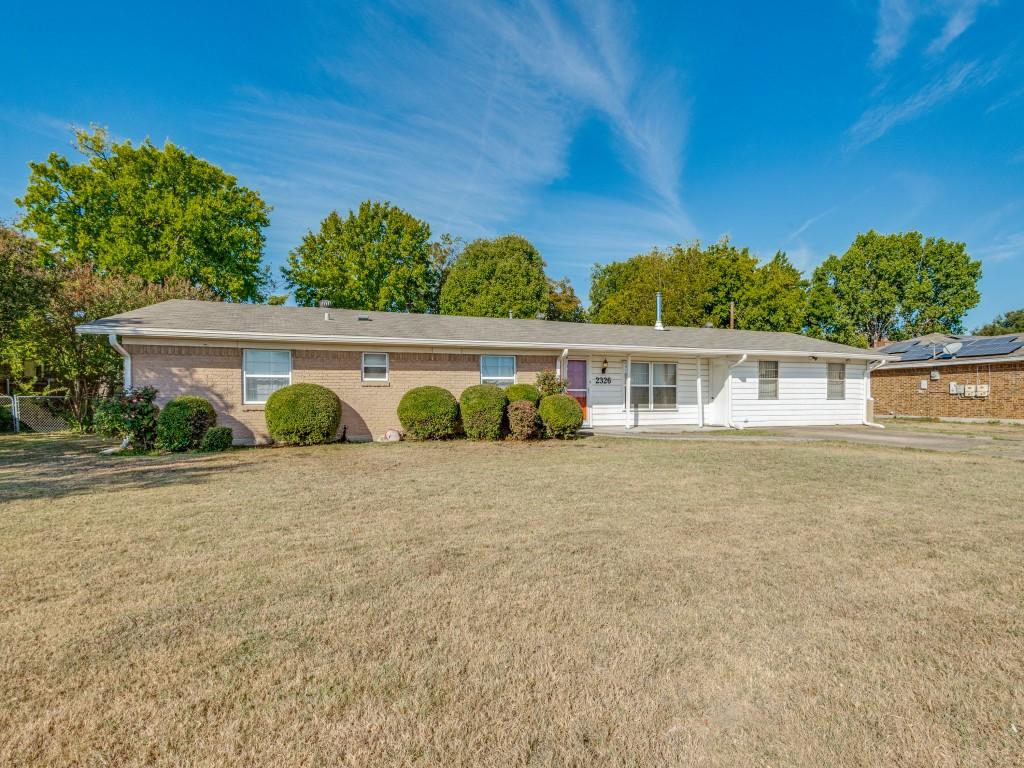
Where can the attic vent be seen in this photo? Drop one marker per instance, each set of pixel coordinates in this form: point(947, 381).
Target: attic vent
point(364, 317)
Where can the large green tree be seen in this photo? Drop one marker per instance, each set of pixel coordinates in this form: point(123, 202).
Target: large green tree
point(378, 258)
point(493, 278)
point(81, 367)
point(700, 286)
point(1011, 322)
point(563, 303)
point(892, 286)
point(23, 285)
point(156, 213)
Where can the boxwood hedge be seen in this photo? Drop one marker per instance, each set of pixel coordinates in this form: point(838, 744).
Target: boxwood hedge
point(562, 416)
point(183, 422)
point(526, 392)
point(303, 414)
point(483, 411)
point(429, 413)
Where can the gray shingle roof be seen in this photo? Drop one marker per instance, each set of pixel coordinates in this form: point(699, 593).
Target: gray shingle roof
point(203, 319)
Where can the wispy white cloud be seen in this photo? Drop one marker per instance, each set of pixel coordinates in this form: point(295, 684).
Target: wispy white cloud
point(462, 116)
point(897, 19)
point(879, 120)
point(796, 233)
point(1003, 248)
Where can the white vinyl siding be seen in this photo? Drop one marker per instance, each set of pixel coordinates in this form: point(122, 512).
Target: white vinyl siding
point(606, 400)
point(768, 380)
point(498, 369)
point(264, 371)
point(375, 366)
point(837, 381)
point(803, 397)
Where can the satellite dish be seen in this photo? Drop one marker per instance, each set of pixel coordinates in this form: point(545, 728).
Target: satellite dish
point(952, 348)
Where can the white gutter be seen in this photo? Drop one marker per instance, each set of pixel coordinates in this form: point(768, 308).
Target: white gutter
point(728, 381)
point(112, 338)
point(867, 391)
point(700, 397)
point(250, 336)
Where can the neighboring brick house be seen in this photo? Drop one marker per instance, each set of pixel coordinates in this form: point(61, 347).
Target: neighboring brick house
point(235, 355)
point(952, 377)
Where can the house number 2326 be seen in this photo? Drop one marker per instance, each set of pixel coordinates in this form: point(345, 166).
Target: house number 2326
point(602, 379)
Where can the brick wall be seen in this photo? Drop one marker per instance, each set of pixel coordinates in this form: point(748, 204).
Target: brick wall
point(896, 391)
point(368, 408)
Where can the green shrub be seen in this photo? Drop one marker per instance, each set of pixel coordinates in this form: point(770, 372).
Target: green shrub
point(562, 416)
point(523, 423)
point(183, 422)
point(549, 384)
point(131, 414)
point(303, 414)
point(483, 411)
point(429, 413)
point(6, 419)
point(526, 392)
point(216, 439)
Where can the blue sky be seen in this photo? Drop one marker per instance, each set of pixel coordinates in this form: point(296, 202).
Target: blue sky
point(596, 129)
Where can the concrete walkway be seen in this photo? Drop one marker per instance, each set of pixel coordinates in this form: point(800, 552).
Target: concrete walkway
point(892, 438)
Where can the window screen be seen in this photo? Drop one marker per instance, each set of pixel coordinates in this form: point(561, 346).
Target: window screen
point(768, 380)
point(837, 381)
point(264, 372)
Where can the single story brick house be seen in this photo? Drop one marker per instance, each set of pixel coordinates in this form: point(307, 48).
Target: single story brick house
point(235, 355)
point(953, 377)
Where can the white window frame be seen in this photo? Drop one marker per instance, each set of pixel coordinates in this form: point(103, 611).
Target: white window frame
point(762, 379)
point(651, 386)
point(501, 381)
point(374, 379)
point(840, 381)
point(246, 375)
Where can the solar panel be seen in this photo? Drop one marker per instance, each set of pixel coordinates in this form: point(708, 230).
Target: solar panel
point(994, 347)
point(895, 349)
point(918, 353)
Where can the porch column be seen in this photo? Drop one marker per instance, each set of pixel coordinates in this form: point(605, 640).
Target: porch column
point(629, 382)
point(700, 397)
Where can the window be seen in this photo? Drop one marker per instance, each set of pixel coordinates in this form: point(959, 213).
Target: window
point(653, 386)
point(498, 369)
point(375, 366)
point(837, 381)
point(768, 380)
point(264, 372)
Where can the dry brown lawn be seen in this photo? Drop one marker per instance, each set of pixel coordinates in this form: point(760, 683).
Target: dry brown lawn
point(602, 602)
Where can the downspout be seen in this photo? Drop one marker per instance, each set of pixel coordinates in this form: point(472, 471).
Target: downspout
point(563, 365)
point(700, 397)
point(867, 391)
point(728, 382)
point(112, 338)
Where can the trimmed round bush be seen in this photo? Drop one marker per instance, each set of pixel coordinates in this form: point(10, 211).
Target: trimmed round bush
point(483, 411)
point(526, 392)
point(562, 416)
point(183, 422)
point(522, 420)
point(303, 414)
point(429, 413)
point(216, 439)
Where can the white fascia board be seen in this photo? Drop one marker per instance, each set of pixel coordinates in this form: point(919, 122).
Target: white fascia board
point(185, 333)
point(956, 361)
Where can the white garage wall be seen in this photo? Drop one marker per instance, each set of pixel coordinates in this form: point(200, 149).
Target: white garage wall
point(803, 396)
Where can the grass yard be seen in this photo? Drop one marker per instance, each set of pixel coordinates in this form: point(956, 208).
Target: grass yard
point(602, 602)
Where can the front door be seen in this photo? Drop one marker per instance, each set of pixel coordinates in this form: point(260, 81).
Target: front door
point(576, 384)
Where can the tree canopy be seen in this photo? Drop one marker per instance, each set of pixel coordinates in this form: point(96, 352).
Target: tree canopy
point(698, 285)
point(563, 303)
point(378, 258)
point(492, 278)
point(1011, 322)
point(892, 287)
point(155, 213)
point(22, 282)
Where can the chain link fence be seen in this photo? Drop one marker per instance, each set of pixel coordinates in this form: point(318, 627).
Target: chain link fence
point(35, 413)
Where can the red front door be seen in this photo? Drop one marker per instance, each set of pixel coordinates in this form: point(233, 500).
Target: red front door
point(576, 384)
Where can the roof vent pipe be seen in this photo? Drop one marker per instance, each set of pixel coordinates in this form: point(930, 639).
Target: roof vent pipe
point(657, 324)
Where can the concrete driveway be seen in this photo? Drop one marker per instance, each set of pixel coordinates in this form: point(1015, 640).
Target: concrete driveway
point(951, 438)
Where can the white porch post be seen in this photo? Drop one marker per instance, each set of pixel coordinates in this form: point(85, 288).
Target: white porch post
point(700, 397)
point(629, 382)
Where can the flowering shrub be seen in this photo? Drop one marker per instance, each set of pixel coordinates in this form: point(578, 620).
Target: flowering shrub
point(129, 414)
point(549, 383)
point(522, 420)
